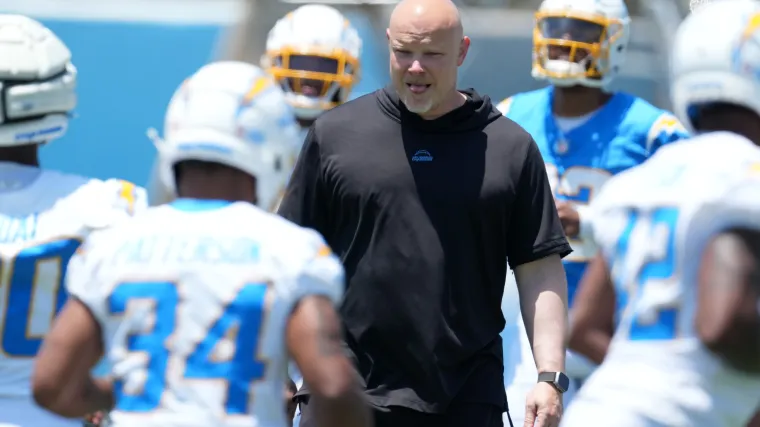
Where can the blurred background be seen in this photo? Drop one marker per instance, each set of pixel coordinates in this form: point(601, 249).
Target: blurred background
point(132, 55)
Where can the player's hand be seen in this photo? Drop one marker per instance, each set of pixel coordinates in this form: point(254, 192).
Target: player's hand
point(543, 407)
point(94, 419)
point(571, 221)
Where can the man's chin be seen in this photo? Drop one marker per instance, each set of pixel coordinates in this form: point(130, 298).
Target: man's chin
point(417, 107)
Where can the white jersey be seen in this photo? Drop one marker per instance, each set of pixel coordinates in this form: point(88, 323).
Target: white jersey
point(44, 216)
point(193, 299)
point(651, 226)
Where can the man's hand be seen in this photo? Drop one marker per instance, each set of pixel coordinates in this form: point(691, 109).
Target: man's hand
point(543, 407)
point(568, 215)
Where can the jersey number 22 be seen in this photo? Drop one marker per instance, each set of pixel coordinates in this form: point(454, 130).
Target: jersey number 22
point(644, 274)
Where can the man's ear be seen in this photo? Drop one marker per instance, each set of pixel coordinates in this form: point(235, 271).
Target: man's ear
point(464, 47)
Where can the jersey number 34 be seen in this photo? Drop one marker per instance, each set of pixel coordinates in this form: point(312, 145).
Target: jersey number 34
point(240, 321)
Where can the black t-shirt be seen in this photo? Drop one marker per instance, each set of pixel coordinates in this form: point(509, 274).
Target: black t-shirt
point(424, 215)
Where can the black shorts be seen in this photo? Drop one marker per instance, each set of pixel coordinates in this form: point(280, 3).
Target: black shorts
point(457, 415)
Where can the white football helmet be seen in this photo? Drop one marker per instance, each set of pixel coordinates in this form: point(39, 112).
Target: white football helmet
point(580, 42)
point(716, 58)
point(231, 113)
point(313, 53)
point(37, 83)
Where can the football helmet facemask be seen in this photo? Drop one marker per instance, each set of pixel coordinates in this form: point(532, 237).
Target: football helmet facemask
point(580, 42)
point(313, 54)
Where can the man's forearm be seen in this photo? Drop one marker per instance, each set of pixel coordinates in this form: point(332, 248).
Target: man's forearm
point(543, 301)
point(549, 330)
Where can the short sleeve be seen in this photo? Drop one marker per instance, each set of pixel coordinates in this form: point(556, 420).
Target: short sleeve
point(504, 106)
point(664, 130)
point(81, 278)
point(129, 197)
point(535, 230)
point(304, 200)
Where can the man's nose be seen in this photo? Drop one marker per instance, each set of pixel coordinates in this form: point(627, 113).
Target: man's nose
point(416, 67)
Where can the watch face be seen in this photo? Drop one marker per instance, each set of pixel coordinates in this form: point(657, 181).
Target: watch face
point(563, 381)
point(559, 380)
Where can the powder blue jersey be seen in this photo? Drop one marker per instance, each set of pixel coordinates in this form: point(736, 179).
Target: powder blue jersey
point(624, 133)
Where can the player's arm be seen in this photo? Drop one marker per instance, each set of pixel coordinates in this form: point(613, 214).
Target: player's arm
point(61, 382)
point(728, 321)
point(593, 312)
point(315, 342)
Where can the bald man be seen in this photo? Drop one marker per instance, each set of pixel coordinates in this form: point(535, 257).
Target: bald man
point(424, 191)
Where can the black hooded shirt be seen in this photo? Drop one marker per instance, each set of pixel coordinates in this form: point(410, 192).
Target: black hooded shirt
point(424, 215)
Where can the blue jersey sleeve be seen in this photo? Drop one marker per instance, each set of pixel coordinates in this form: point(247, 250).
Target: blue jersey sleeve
point(665, 129)
point(504, 105)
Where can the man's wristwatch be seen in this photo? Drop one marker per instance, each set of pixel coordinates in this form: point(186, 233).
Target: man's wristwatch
point(559, 380)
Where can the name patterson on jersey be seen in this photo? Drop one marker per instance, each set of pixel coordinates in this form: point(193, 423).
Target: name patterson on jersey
point(173, 249)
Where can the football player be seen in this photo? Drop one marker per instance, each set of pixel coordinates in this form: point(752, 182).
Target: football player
point(44, 214)
point(680, 251)
point(314, 54)
point(586, 134)
point(198, 303)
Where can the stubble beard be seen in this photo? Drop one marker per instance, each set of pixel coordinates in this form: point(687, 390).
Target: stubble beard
point(415, 106)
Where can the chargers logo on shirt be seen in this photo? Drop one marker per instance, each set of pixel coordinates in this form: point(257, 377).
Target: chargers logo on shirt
point(422, 156)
